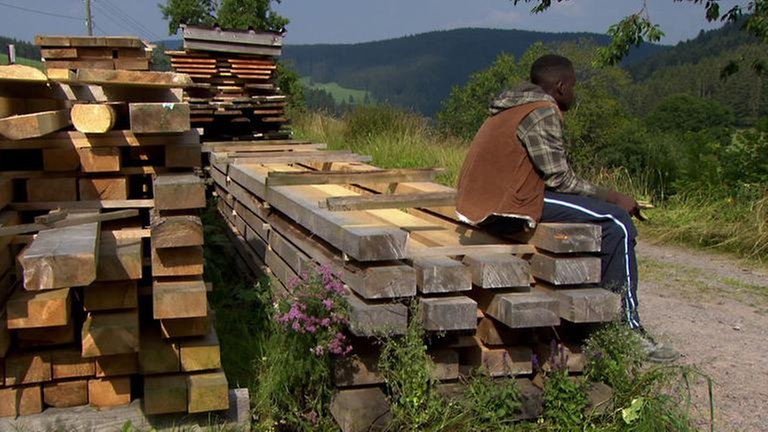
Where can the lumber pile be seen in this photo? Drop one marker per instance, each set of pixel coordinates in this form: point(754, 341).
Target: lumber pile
point(102, 296)
point(391, 236)
point(240, 98)
point(106, 52)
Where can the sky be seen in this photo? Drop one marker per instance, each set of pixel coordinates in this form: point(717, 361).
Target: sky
point(351, 21)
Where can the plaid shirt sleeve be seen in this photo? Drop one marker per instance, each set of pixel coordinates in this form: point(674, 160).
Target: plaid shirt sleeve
point(541, 132)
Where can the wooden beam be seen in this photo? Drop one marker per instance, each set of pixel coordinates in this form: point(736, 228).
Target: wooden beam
point(293, 178)
point(35, 125)
point(179, 192)
point(520, 310)
point(99, 159)
point(382, 319)
point(108, 333)
point(20, 401)
point(372, 202)
point(207, 392)
point(441, 275)
point(179, 299)
point(500, 361)
point(177, 231)
point(181, 261)
point(199, 354)
point(290, 157)
point(66, 394)
point(61, 258)
point(165, 394)
point(564, 237)
point(69, 363)
point(117, 365)
point(255, 148)
point(83, 205)
point(159, 117)
point(120, 256)
point(109, 392)
point(94, 118)
point(124, 78)
point(109, 139)
point(157, 355)
point(110, 296)
point(43, 337)
point(34, 309)
point(448, 313)
point(584, 305)
point(566, 270)
point(437, 251)
point(111, 188)
point(71, 220)
point(27, 368)
point(499, 271)
point(17, 73)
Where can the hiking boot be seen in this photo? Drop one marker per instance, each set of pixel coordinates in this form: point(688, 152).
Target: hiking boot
point(656, 352)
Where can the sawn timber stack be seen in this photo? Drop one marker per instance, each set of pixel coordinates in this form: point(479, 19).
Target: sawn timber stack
point(391, 236)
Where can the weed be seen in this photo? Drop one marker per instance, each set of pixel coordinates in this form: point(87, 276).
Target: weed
point(492, 404)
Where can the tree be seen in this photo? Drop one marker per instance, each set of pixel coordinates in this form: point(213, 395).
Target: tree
point(637, 28)
point(234, 14)
point(684, 113)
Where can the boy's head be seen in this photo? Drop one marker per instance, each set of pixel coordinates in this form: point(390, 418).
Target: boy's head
point(555, 74)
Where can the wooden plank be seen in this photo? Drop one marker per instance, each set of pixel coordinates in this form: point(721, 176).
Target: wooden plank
point(179, 299)
point(478, 249)
point(200, 354)
point(585, 305)
point(109, 392)
point(329, 156)
point(117, 365)
point(178, 192)
point(27, 368)
point(284, 178)
point(120, 256)
point(384, 319)
point(36, 338)
point(448, 313)
point(35, 125)
point(498, 271)
point(21, 401)
point(258, 148)
point(110, 333)
point(17, 73)
point(71, 220)
point(181, 261)
point(61, 257)
point(51, 189)
point(94, 118)
point(69, 363)
point(207, 392)
point(95, 189)
point(355, 233)
point(177, 231)
point(500, 361)
point(88, 41)
point(131, 64)
point(110, 296)
point(34, 309)
point(372, 202)
point(187, 327)
point(495, 333)
point(564, 237)
point(156, 355)
point(84, 205)
point(123, 78)
point(99, 159)
point(65, 394)
point(109, 139)
point(520, 310)
point(165, 394)
point(441, 275)
point(159, 117)
point(183, 156)
point(566, 270)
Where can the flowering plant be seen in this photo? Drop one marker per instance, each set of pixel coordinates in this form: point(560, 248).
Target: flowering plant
point(317, 310)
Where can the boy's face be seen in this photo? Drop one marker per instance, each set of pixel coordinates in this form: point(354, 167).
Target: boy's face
point(566, 94)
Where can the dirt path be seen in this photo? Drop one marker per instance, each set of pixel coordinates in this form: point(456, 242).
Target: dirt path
point(715, 311)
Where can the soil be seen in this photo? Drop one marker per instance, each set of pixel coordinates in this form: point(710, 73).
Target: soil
point(714, 310)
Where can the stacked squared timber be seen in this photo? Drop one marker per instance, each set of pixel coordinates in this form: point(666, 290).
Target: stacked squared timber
point(101, 263)
point(491, 298)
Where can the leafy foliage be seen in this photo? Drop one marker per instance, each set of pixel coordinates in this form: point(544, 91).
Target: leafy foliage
point(685, 113)
point(233, 14)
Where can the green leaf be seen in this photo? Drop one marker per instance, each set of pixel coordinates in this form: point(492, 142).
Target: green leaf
point(632, 412)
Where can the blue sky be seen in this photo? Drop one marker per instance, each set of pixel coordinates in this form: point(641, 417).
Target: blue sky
point(349, 21)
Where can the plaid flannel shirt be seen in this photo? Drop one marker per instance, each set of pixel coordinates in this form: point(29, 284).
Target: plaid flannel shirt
point(541, 132)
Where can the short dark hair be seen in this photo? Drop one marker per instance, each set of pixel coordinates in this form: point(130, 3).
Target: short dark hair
point(549, 68)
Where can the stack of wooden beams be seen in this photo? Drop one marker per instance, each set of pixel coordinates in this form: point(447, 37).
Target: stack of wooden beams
point(240, 99)
point(107, 302)
point(83, 52)
point(391, 236)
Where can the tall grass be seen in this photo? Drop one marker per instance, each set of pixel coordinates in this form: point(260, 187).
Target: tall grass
point(398, 139)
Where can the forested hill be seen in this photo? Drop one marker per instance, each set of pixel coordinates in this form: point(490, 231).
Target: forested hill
point(23, 48)
point(418, 71)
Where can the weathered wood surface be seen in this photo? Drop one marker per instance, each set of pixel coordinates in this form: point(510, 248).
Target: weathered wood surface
point(179, 299)
point(70, 220)
point(89, 41)
point(117, 365)
point(469, 249)
point(359, 369)
point(34, 309)
point(34, 125)
point(177, 231)
point(157, 355)
point(520, 310)
point(36, 338)
point(27, 368)
point(355, 233)
point(360, 410)
point(124, 78)
point(68, 140)
point(571, 353)
point(183, 156)
point(207, 391)
point(179, 192)
point(376, 319)
point(94, 118)
point(500, 361)
point(60, 160)
point(199, 354)
point(448, 313)
point(330, 156)
point(98, 189)
point(69, 363)
point(120, 256)
point(61, 258)
point(498, 271)
point(182, 261)
point(495, 333)
point(187, 327)
point(108, 333)
point(564, 237)
point(51, 189)
point(104, 296)
point(20, 401)
point(585, 305)
point(373, 202)
point(291, 178)
point(17, 73)
point(165, 394)
point(441, 275)
point(99, 159)
point(109, 392)
point(566, 270)
point(84, 205)
point(159, 117)
point(65, 394)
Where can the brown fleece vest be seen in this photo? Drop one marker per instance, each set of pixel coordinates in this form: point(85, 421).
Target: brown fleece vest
point(498, 177)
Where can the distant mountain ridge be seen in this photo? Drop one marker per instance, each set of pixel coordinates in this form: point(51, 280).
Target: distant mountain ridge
point(418, 71)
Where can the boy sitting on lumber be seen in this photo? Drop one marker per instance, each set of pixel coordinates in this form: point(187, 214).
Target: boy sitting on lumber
point(516, 174)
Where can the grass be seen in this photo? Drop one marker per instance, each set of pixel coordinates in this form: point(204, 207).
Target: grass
point(340, 94)
point(23, 61)
point(398, 139)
